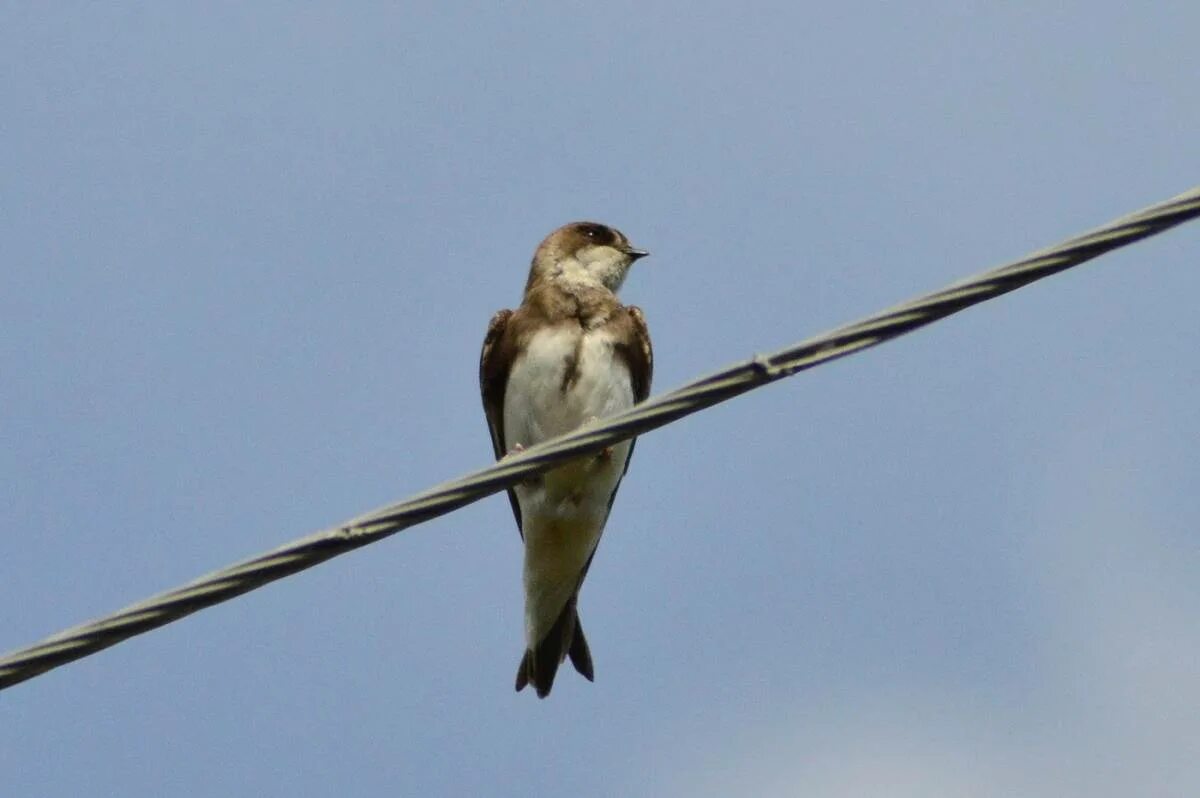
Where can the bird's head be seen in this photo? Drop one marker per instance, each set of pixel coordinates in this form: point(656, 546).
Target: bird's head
point(585, 253)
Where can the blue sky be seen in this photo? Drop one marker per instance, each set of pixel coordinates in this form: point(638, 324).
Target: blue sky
point(249, 256)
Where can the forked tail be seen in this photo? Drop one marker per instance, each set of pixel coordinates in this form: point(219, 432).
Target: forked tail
point(540, 663)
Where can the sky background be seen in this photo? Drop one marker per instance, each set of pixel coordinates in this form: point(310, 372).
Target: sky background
point(248, 253)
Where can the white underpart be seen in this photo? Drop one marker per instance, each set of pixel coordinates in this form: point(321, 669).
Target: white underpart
point(563, 512)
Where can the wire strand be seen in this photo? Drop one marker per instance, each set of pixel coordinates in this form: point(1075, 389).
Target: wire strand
point(222, 585)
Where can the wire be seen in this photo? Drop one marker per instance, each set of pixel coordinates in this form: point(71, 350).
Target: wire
point(222, 585)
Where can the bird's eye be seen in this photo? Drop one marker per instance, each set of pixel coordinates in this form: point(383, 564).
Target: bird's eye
point(595, 232)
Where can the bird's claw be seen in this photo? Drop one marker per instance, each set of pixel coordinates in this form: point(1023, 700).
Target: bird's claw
point(606, 453)
point(515, 450)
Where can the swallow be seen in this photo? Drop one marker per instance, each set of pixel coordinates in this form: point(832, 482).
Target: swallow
point(571, 354)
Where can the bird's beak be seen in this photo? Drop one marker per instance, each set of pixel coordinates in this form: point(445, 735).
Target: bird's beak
point(635, 254)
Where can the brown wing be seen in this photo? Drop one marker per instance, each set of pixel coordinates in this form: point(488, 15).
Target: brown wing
point(495, 362)
point(634, 347)
point(637, 352)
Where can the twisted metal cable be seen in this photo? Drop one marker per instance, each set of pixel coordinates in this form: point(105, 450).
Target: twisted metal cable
point(306, 552)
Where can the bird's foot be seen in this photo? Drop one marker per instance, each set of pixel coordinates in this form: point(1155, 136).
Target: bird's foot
point(606, 453)
point(515, 450)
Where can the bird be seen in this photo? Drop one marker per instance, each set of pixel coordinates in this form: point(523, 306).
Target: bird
point(569, 355)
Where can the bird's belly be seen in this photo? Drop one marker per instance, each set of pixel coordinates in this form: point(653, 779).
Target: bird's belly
point(567, 378)
point(564, 379)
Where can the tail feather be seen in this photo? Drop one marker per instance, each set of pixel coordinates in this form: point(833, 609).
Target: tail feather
point(540, 664)
point(581, 655)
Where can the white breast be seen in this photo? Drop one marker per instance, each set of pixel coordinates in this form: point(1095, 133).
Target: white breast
point(537, 407)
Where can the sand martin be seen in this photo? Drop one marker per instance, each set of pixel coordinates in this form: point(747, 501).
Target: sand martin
point(569, 355)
